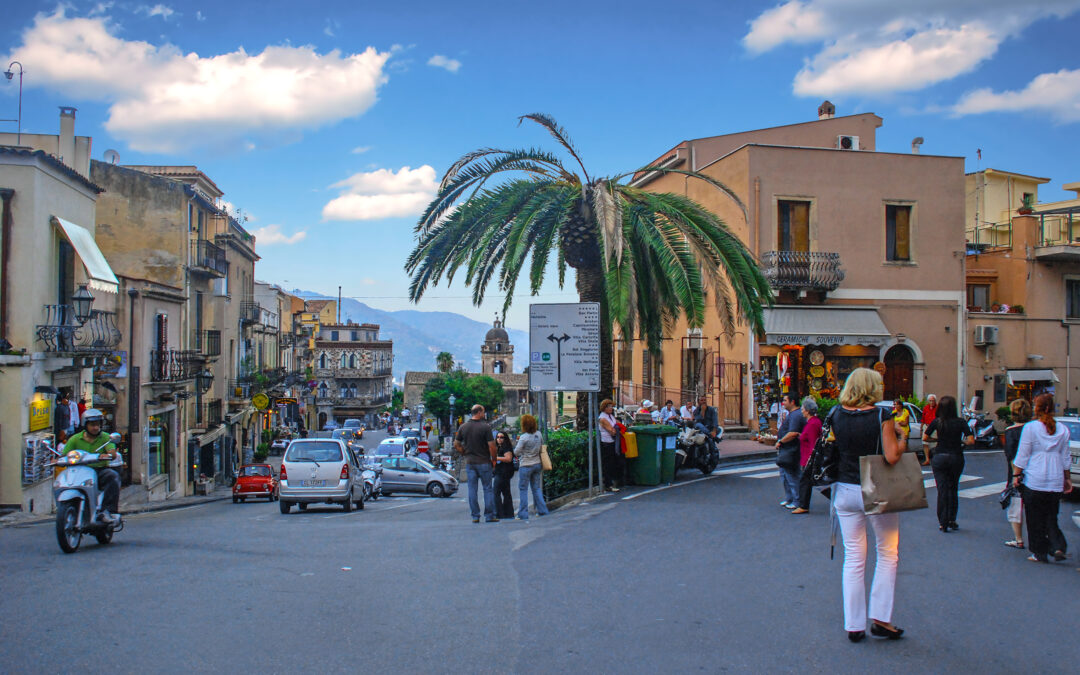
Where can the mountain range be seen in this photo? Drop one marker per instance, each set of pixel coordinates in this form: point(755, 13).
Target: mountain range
point(419, 336)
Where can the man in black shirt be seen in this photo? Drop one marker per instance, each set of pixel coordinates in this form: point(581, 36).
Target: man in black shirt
point(475, 441)
point(787, 446)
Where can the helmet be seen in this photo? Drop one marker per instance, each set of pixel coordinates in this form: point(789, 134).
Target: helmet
point(92, 415)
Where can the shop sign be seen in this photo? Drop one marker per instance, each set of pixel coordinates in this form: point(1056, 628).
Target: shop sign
point(285, 401)
point(261, 401)
point(775, 339)
point(40, 415)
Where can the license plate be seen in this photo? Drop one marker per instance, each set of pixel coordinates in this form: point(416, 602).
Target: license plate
point(313, 483)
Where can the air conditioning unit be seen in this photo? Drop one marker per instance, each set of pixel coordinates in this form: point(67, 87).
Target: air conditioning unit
point(847, 142)
point(986, 335)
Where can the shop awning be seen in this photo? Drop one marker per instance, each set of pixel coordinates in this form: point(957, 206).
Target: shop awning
point(1032, 376)
point(211, 436)
point(824, 326)
point(97, 268)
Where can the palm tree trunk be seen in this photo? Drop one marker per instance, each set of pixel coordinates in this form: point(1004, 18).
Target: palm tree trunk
point(590, 288)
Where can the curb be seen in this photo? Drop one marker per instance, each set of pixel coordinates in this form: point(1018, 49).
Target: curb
point(152, 507)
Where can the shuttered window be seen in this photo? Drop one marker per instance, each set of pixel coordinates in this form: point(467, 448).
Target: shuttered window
point(897, 232)
point(793, 225)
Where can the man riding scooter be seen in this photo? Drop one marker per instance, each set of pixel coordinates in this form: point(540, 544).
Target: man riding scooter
point(93, 441)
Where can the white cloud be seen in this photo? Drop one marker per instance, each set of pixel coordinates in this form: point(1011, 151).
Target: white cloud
point(360, 149)
point(878, 46)
point(101, 8)
point(383, 193)
point(163, 100)
point(369, 282)
point(440, 61)
point(199, 16)
point(164, 11)
point(1057, 94)
point(331, 27)
point(272, 234)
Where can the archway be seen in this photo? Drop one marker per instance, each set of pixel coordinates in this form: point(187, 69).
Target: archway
point(499, 367)
point(322, 420)
point(899, 372)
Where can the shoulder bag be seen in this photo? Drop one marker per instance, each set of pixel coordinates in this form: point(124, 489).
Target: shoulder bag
point(891, 488)
point(545, 458)
point(822, 464)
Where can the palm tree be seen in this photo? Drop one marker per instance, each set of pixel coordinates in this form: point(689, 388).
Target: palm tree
point(647, 258)
point(444, 361)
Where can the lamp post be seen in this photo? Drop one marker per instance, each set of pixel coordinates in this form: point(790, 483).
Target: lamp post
point(452, 401)
point(9, 74)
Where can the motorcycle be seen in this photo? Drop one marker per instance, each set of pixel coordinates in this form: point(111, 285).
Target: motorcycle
point(78, 499)
point(692, 449)
point(986, 436)
point(372, 475)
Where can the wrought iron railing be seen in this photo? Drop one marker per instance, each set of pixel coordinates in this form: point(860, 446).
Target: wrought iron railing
point(214, 413)
point(207, 255)
point(249, 311)
point(207, 342)
point(173, 365)
point(802, 270)
point(62, 332)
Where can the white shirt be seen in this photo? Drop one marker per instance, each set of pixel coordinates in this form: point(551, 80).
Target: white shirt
point(667, 413)
point(605, 435)
point(1043, 457)
point(687, 413)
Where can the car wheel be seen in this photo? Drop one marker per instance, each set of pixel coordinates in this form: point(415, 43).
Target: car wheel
point(436, 489)
point(360, 504)
point(286, 506)
point(235, 500)
point(348, 503)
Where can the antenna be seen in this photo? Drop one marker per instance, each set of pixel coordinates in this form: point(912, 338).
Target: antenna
point(112, 156)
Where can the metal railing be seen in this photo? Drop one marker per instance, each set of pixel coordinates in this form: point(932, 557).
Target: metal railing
point(802, 270)
point(1059, 229)
point(988, 235)
point(249, 311)
point(173, 365)
point(62, 332)
point(214, 411)
point(208, 256)
point(208, 342)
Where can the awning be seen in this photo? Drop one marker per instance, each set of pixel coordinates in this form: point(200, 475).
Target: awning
point(211, 436)
point(97, 268)
point(1032, 376)
point(824, 326)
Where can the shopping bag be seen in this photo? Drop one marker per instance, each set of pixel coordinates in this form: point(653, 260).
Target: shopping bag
point(889, 488)
point(630, 443)
point(545, 459)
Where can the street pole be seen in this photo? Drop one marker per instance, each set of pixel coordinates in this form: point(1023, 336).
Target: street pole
point(9, 75)
point(590, 452)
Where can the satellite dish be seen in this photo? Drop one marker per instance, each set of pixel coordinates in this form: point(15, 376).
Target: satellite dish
point(112, 156)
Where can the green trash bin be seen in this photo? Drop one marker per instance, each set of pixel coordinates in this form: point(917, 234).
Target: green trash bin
point(645, 468)
point(666, 441)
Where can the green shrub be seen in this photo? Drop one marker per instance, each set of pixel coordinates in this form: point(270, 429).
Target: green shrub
point(824, 405)
point(262, 451)
point(920, 403)
point(1004, 414)
point(569, 462)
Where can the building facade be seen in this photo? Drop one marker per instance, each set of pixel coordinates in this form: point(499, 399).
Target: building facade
point(352, 372)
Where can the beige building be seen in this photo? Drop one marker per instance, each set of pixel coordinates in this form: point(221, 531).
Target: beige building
point(865, 253)
point(352, 372)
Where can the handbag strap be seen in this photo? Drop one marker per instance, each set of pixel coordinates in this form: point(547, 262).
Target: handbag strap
point(880, 433)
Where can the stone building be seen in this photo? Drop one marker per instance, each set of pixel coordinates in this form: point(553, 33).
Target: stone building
point(497, 354)
point(352, 372)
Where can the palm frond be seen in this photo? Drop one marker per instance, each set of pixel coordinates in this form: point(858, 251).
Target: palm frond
point(720, 185)
point(559, 134)
point(608, 212)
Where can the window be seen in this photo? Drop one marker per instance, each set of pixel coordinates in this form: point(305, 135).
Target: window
point(793, 225)
point(158, 443)
point(334, 335)
point(897, 233)
point(354, 338)
point(626, 363)
point(1072, 298)
point(352, 360)
point(343, 361)
point(978, 297)
point(324, 391)
point(322, 361)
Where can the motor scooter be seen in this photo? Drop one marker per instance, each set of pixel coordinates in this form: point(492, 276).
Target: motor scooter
point(78, 499)
point(692, 449)
point(372, 475)
point(986, 436)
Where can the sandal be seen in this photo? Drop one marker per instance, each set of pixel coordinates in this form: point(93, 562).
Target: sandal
point(1015, 543)
point(1032, 558)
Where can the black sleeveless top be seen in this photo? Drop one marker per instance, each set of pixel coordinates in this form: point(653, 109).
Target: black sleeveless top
point(858, 433)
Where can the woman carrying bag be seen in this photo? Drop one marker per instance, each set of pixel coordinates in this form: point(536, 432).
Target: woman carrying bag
point(1041, 471)
point(861, 429)
point(947, 459)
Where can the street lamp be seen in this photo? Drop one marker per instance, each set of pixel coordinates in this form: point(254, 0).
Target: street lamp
point(8, 74)
point(452, 401)
point(203, 380)
point(82, 301)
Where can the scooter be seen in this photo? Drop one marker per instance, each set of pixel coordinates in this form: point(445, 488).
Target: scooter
point(78, 500)
point(986, 436)
point(692, 449)
point(372, 475)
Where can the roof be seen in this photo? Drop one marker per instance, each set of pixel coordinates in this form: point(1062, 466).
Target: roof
point(175, 171)
point(316, 305)
point(52, 161)
point(1010, 174)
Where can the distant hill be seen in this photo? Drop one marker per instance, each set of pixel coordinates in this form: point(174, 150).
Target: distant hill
point(419, 336)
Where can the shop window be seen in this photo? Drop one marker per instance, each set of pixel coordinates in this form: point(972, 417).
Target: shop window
point(1072, 298)
point(978, 297)
point(158, 444)
point(897, 233)
point(793, 225)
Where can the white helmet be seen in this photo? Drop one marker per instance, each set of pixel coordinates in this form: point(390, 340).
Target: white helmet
point(92, 415)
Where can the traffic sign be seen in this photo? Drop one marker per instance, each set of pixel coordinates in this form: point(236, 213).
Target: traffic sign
point(564, 347)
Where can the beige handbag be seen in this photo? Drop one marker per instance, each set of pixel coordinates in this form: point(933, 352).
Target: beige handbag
point(889, 488)
point(545, 459)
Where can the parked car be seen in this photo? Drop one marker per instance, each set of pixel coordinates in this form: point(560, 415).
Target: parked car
point(351, 437)
point(1073, 425)
point(915, 431)
point(320, 471)
point(255, 480)
point(279, 445)
point(411, 474)
point(394, 446)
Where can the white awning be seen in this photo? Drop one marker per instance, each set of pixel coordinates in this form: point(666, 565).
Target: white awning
point(211, 436)
point(1032, 376)
point(824, 326)
point(97, 268)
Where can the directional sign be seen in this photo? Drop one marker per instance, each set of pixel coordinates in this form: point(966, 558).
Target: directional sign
point(564, 347)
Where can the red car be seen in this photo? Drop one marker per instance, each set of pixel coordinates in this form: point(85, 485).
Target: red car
point(255, 480)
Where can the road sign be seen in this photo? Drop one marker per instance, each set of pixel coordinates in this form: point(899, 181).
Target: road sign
point(564, 347)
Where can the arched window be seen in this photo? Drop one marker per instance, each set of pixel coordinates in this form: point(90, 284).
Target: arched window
point(498, 346)
point(324, 390)
point(352, 360)
point(343, 361)
point(322, 360)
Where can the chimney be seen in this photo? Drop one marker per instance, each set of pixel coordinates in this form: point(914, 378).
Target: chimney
point(915, 143)
point(826, 111)
point(67, 136)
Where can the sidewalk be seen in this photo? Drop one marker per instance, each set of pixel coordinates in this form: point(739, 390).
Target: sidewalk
point(735, 450)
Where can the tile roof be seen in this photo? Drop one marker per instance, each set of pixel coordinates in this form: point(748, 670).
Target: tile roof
point(52, 161)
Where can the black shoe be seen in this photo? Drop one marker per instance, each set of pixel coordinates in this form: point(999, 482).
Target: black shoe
point(877, 630)
point(954, 526)
point(492, 520)
point(943, 528)
point(856, 635)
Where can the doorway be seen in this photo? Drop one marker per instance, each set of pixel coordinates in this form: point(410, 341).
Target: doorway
point(899, 372)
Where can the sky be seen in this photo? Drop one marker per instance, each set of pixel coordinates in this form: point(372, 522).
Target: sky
point(329, 124)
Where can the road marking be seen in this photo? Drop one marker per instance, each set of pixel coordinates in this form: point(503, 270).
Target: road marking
point(667, 487)
point(982, 490)
point(1076, 518)
point(767, 474)
point(742, 469)
point(964, 478)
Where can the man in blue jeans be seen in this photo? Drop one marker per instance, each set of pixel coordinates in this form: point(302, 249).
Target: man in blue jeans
point(475, 441)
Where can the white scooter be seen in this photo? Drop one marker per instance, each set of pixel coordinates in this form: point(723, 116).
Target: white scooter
point(78, 499)
point(693, 451)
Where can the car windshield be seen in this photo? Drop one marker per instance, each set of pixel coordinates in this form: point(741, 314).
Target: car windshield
point(1074, 430)
point(255, 471)
point(346, 435)
point(390, 449)
point(427, 465)
point(411, 432)
point(317, 451)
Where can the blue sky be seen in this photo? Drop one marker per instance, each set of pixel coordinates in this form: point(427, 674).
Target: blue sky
point(329, 123)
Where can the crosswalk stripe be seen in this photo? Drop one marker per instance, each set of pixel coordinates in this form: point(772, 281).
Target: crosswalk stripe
point(964, 478)
point(742, 469)
point(767, 474)
point(982, 490)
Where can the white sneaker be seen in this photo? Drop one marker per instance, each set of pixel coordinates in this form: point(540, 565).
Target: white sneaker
point(785, 503)
point(790, 505)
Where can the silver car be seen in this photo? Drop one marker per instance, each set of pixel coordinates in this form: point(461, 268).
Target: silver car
point(411, 474)
point(1073, 425)
point(320, 471)
point(915, 430)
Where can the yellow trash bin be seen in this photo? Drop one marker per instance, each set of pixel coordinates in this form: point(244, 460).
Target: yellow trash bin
point(630, 441)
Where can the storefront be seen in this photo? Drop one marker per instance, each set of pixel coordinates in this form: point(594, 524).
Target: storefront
point(1027, 384)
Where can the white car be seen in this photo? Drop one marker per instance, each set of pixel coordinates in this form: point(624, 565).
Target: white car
point(1073, 425)
point(279, 445)
point(915, 430)
point(320, 471)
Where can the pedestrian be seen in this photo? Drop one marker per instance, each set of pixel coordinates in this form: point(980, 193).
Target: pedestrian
point(947, 459)
point(504, 471)
point(686, 412)
point(1020, 410)
point(902, 417)
point(861, 428)
point(787, 449)
point(808, 438)
point(646, 408)
point(73, 410)
point(82, 406)
point(531, 479)
point(668, 412)
point(63, 417)
point(475, 442)
point(1042, 474)
point(610, 457)
point(654, 412)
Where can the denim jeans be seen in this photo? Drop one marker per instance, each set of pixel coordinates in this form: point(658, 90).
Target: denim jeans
point(531, 481)
point(790, 480)
point(481, 473)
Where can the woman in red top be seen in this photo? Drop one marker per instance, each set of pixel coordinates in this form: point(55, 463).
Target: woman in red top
point(929, 414)
point(808, 438)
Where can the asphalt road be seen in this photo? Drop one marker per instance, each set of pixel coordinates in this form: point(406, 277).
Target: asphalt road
point(710, 575)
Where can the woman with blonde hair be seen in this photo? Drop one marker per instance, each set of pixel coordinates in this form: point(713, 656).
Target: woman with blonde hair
point(862, 428)
point(1020, 410)
point(1041, 471)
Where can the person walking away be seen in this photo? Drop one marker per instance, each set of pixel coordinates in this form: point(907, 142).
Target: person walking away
point(861, 428)
point(504, 472)
point(531, 478)
point(1020, 410)
point(1042, 474)
point(808, 438)
point(610, 458)
point(91, 440)
point(947, 459)
point(787, 448)
point(475, 442)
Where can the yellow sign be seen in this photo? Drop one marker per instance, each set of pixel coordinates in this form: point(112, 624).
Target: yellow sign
point(40, 415)
point(261, 401)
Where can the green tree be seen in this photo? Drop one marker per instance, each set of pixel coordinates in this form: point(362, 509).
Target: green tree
point(444, 361)
point(647, 258)
point(467, 391)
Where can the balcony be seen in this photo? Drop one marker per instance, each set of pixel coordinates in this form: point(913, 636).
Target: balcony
point(988, 236)
point(214, 412)
point(1059, 235)
point(249, 312)
point(63, 334)
point(173, 365)
point(207, 343)
point(802, 270)
point(209, 259)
